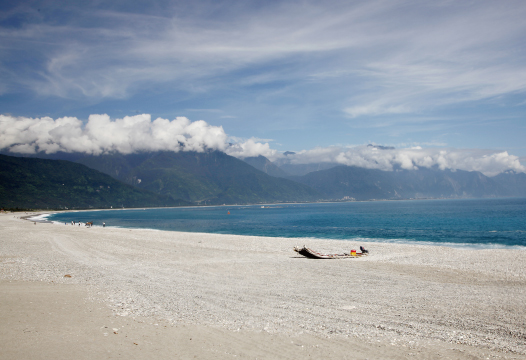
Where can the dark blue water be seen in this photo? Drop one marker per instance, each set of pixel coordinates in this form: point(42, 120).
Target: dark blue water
point(473, 222)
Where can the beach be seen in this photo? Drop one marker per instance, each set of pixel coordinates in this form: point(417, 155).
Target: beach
point(73, 291)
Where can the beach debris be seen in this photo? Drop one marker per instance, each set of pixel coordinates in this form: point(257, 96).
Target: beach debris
point(305, 251)
point(67, 276)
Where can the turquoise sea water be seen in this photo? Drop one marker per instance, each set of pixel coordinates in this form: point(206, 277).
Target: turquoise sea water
point(471, 222)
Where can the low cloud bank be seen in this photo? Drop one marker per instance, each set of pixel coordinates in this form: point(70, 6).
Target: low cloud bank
point(252, 148)
point(131, 134)
point(490, 163)
point(103, 135)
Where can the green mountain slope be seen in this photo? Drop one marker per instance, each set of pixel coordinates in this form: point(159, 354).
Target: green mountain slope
point(59, 184)
point(204, 178)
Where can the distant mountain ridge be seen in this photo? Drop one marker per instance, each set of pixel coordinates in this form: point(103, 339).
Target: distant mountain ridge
point(340, 182)
point(366, 184)
point(304, 169)
point(286, 170)
point(211, 177)
point(268, 167)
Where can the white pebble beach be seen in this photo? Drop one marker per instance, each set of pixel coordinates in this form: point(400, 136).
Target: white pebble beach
point(77, 292)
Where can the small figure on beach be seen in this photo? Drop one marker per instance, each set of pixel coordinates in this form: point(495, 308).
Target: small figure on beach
point(362, 249)
point(103, 224)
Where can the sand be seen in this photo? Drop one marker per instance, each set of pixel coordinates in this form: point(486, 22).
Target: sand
point(76, 292)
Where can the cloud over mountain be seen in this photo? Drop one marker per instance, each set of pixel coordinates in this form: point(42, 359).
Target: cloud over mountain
point(139, 133)
point(488, 162)
point(102, 135)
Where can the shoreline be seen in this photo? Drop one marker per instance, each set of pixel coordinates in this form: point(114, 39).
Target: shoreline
point(400, 300)
point(468, 246)
point(290, 203)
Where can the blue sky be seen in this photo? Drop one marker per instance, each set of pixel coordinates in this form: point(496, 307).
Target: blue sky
point(296, 75)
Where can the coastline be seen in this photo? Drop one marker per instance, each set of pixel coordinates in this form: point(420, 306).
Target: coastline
point(503, 234)
point(235, 290)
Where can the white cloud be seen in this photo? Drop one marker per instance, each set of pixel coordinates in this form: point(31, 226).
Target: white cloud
point(139, 133)
point(251, 147)
point(488, 162)
point(410, 55)
point(102, 135)
point(375, 108)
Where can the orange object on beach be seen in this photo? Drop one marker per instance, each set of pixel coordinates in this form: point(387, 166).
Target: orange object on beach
point(353, 252)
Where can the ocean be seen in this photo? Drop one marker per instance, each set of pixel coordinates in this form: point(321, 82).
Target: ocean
point(473, 223)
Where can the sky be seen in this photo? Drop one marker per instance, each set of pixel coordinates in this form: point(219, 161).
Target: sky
point(443, 82)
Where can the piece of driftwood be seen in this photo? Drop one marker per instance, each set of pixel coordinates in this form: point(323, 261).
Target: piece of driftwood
point(305, 251)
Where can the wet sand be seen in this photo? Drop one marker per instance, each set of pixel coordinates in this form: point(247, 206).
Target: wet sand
point(146, 293)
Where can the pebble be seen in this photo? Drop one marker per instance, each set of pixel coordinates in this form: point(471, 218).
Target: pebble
point(402, 293)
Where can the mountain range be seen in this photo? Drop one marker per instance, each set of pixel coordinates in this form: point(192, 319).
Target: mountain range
point(366, 184)
point(213, 177)
point(340, 182)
